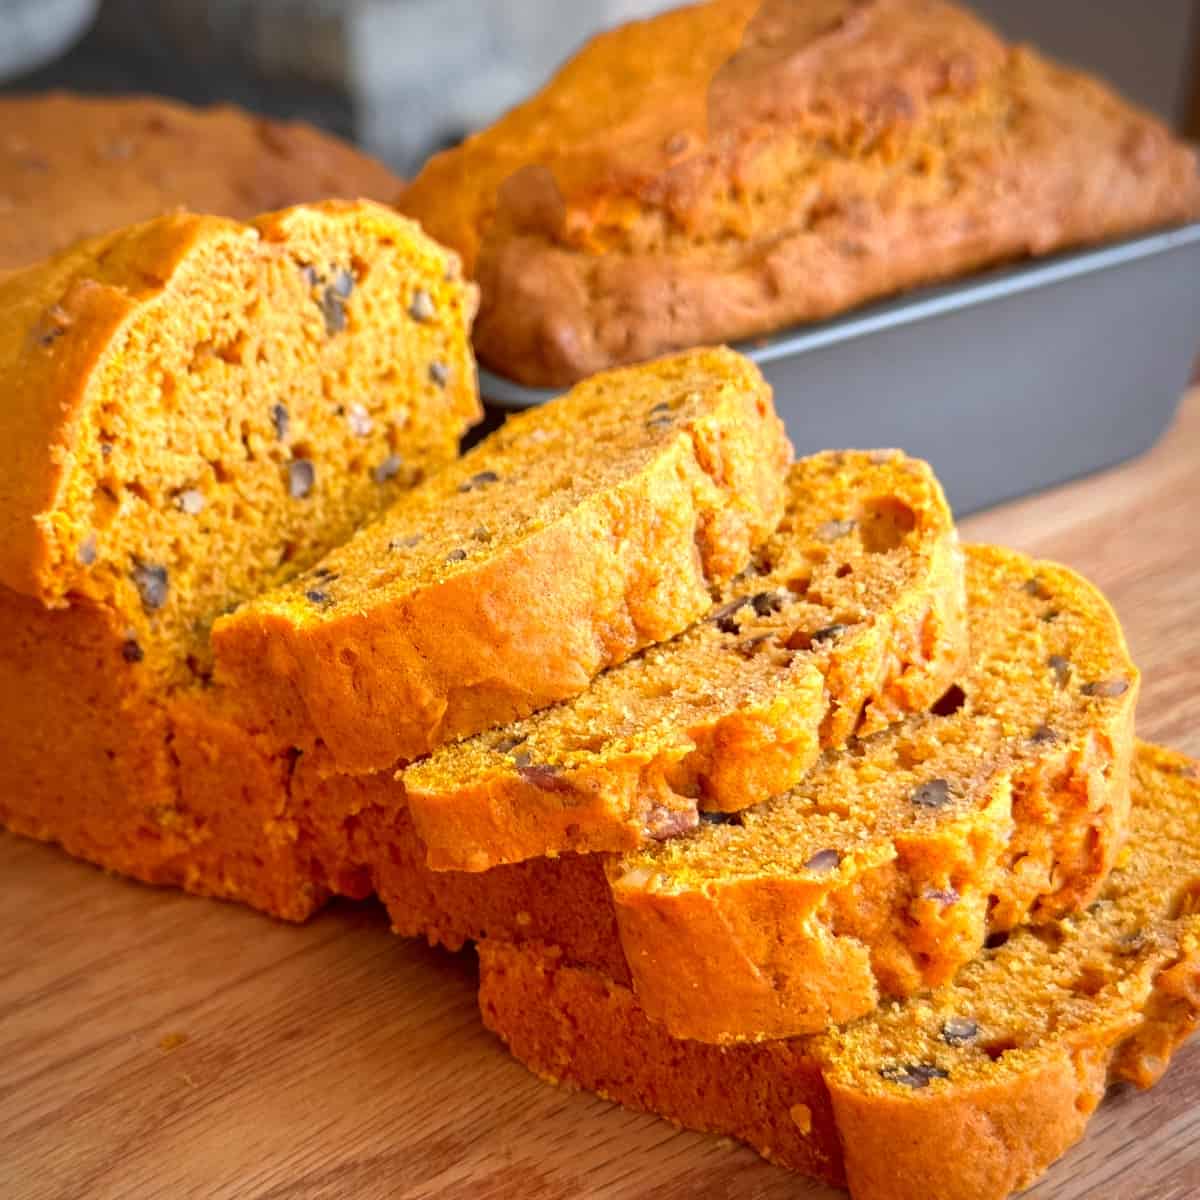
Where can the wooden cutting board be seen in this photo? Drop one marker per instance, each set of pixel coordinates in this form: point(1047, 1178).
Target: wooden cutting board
point(158, 1046)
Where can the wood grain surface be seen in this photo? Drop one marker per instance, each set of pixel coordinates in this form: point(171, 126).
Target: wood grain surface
point(158, 1046)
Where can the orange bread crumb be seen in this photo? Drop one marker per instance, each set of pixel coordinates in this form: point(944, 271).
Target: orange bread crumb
point(197, 408)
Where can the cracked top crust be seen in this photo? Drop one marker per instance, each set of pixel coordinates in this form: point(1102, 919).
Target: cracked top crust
point(727, 169)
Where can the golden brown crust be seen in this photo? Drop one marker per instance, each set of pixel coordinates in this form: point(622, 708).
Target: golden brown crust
point(513, 577)
point(73, 167)
point(851, 618)
point(731, 168)
point(972, 1110)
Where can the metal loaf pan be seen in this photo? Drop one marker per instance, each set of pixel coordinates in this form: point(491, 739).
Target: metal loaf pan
point(1007, 382)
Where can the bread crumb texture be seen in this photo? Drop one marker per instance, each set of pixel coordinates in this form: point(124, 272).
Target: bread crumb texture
point(200, 408)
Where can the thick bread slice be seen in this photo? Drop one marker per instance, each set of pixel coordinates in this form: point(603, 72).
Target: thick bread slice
point(851, 617)
point(967, 1094)
point(567, 541)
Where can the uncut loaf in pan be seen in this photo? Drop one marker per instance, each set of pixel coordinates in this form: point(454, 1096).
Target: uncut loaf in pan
point(968, 1093)
point(731, 168)
point(879, 874)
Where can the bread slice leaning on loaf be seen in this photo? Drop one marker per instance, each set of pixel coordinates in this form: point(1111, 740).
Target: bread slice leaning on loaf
point(968, 1093)
point(571, 538)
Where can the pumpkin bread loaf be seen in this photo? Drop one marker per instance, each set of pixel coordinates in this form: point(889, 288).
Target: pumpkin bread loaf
point(77, 166)
point(968, 1093)
point(879, 875)
point(730, 168)
point(851, 616)
point(571, 538)
point(196, 409)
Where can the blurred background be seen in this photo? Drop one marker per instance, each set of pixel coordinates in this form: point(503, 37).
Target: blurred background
point(407, 77)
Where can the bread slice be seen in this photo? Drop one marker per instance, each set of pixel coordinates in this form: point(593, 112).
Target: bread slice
point(851, 617)
point(730, 168)
point(77, 166)
point(968, 1093)
point(879, 875)
point(884, 870)
point(197, 408)
point(577, 534)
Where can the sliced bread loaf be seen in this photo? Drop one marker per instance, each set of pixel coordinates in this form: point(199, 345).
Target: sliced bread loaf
point(193, 409)
point(879, 875)
point(968, 1093)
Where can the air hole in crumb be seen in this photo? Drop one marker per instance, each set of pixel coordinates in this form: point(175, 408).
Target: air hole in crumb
point(234, 351)
point(1187, 900)
point(951, 701)
point(844, 570)
point(996, 1047)
point(1051, 936)
point(1090, 981)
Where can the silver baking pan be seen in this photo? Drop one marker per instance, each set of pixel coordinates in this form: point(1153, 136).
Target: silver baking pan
point(1007, 382)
